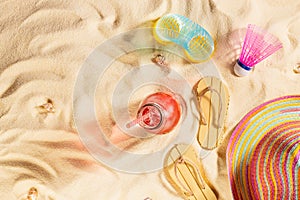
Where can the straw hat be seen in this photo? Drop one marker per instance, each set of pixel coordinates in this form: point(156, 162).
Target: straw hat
point(263, 154)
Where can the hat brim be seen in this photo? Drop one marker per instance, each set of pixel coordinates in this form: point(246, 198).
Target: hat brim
point(263, 152)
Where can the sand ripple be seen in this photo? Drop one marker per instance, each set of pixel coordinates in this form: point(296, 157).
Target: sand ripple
point(42, 47)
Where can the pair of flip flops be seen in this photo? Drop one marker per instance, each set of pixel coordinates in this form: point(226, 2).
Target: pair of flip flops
point(183, 168)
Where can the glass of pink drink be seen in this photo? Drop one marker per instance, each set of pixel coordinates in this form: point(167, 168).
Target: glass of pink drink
point(159, 113)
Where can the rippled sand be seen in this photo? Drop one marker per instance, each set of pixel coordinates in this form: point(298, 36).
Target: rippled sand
point(42, 47)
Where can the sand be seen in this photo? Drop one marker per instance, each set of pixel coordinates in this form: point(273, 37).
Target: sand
point(43, 46)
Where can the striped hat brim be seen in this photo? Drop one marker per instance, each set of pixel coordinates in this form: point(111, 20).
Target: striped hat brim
point(264, 150)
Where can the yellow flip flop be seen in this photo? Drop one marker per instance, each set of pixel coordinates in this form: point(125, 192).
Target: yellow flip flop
point(184, 172)
point(213, 99)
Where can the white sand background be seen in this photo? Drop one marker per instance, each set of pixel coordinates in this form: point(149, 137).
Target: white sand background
point(42, 47)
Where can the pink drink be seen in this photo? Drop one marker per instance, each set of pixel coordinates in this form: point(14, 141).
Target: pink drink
point(159, 113)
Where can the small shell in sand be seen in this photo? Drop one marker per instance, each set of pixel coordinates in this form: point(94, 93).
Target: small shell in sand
point(160, 60)
point(32, 194)
point(297, 69)
point(47, 107)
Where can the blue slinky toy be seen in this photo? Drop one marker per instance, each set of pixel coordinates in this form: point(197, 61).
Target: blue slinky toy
point(196, 41)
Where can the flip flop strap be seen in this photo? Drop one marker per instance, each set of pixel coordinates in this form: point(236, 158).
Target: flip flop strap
point(200, 95)
point(181, 160)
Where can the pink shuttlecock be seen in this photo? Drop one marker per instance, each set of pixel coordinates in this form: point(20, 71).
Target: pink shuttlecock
point(257, 46)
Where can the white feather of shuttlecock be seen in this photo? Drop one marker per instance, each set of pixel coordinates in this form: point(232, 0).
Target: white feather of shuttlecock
point(258, 45)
